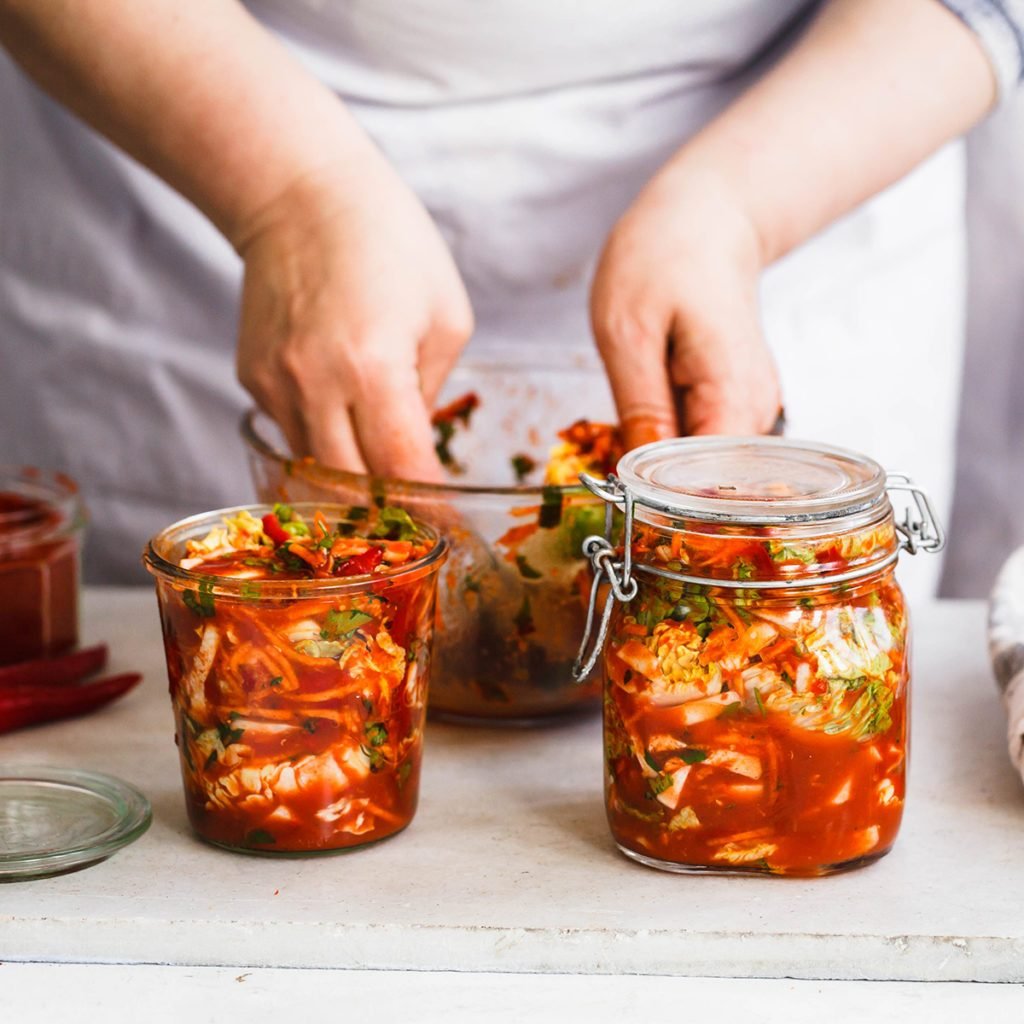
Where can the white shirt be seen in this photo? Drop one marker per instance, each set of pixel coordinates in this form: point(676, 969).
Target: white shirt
point(526, 126)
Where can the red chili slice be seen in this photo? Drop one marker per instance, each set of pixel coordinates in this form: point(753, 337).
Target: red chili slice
point(274, 530)
point(362, 564)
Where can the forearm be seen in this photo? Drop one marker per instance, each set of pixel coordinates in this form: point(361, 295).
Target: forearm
point(196, 90)
point(872, 88)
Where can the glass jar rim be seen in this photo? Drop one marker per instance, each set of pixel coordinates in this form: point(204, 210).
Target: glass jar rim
point(163, 568)
point(258, 443)
point(712, 479)
point(56, 492)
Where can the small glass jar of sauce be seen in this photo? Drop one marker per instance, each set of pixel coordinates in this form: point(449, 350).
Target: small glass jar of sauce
point(755, 649)
point(41, 521)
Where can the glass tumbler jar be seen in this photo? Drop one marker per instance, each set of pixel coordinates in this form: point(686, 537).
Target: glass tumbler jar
point(755, 653)
point(41, 522)
point(298, 703)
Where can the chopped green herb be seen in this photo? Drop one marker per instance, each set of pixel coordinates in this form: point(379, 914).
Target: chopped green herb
point(580, 521)
point(276, 681)
point(375, 757)
point(524, 618)
point(259, 837)
point(339, 623)
point(522, 466)
point(692, 755)
point(376, 733)
point(659, 784)
point(291, 562)
point(551, 508)
point(445, 432)
point(228, 735)
point(394, 524)
point(201, 602)
point(743, 570)
point(526, 570)
point(760, 703)
point(651, 763)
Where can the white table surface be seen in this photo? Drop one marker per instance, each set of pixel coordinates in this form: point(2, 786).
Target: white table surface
point(508, 867)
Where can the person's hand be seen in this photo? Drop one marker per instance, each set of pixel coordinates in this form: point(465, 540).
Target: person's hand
point(352, 315)
point(675, 315)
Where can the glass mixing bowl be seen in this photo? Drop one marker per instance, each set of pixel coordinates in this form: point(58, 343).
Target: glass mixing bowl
point(513, 595)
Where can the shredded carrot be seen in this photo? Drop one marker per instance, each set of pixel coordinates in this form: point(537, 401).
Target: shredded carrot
point(515, 536)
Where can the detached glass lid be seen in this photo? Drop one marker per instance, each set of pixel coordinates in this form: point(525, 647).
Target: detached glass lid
point(54, 820)
point(751, 479)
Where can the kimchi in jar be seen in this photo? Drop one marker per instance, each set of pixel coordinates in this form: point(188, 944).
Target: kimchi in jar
point(298, 651)
point(41, 520)
point(755, 653)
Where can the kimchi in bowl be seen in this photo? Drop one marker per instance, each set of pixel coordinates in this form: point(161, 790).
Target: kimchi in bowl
point(513, 595)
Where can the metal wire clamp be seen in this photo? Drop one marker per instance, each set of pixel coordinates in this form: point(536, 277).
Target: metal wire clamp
point(919, 530)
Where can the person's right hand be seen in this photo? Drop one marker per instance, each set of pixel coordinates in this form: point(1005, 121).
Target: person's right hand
point(674, 307)
point(352, 315)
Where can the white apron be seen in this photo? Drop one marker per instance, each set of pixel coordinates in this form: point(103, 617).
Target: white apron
point(526, 126)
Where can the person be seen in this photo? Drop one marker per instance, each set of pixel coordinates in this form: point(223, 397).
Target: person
point(986, 524)
point(363, 187)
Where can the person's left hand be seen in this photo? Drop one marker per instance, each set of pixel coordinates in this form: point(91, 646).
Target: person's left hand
point(675, 314)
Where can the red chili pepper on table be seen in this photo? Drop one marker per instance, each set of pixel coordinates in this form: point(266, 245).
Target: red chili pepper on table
point(62, 671)
point(28, 704)
point(274, 530)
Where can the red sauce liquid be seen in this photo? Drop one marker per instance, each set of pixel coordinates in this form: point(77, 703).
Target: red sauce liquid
point(38, 581)
point(816, 803)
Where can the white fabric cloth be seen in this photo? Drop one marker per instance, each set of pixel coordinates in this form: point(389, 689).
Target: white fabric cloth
point(526, 126)
point(1006, 649)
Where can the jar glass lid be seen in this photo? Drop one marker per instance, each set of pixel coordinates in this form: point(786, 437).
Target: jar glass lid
point(54, 820)
point(751, 479)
